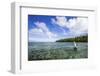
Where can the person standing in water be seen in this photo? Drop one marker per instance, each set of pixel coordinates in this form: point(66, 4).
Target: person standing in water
point(75, 47)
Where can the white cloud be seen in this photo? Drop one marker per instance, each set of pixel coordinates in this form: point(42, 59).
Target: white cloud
point(41, 33)
point(77, 26)
point(62, 21)
point(44, 28)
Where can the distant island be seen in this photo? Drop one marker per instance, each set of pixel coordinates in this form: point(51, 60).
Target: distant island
point(76, 39)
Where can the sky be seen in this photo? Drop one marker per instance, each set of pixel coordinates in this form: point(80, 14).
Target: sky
point(43, 28)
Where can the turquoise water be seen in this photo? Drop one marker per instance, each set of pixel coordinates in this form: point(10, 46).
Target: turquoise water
point(56, 50)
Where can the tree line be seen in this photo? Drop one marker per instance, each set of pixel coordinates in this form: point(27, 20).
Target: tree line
point(76, 39)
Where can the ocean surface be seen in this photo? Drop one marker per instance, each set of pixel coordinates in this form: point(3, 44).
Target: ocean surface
point(56, 50)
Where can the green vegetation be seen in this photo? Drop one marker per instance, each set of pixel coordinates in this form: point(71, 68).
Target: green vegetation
point(76, 39)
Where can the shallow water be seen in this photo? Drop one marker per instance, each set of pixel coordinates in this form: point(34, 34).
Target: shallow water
point(56, 50)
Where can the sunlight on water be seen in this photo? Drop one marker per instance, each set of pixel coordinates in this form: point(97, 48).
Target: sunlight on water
point(56, 50)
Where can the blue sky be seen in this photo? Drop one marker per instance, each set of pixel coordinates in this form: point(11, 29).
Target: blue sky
point(43, 28)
